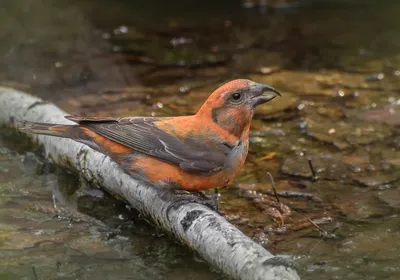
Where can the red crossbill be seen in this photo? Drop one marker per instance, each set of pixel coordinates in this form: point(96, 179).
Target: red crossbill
point(193, 153)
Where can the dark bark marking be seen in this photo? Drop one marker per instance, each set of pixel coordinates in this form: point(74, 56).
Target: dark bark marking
point(190, 218)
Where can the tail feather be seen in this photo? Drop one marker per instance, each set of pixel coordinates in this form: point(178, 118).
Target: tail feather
point(74, 132)
point(47, 129)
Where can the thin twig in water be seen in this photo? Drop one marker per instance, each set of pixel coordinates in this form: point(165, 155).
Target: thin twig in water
point(282, 221)
point(314, 174)
point(336, 228)
point(317, 226)
point(298, 194)
point(323, 232)
point(54, 201)
point(34, 272)
point(273, 187)
point(315, 246)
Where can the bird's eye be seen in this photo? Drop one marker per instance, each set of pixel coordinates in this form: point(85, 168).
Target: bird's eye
point(236, 96)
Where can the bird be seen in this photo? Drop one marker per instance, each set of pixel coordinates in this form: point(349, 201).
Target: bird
point(190, 153)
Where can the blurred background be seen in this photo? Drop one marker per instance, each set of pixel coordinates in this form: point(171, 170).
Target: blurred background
point(332, 143)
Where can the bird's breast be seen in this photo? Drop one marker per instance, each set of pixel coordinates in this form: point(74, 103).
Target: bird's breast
point(238, 156)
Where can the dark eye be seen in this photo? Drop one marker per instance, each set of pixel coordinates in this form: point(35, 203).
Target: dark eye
point(236, 96)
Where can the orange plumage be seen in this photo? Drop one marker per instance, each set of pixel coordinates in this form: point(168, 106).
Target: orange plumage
point(198, 152)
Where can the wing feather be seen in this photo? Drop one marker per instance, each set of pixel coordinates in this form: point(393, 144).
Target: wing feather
point(142, 135)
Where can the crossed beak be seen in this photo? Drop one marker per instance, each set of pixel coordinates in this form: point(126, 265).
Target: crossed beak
point(262, 93)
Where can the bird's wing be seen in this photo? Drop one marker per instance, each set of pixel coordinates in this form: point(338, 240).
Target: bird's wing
point(142, 135)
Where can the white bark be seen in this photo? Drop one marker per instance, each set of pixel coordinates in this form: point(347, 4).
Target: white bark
point(203, 230)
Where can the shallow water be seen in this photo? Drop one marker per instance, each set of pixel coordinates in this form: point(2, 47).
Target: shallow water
point(337, 65)
point(54, 227)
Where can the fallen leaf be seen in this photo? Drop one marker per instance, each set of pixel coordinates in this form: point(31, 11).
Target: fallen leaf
point(268, 156)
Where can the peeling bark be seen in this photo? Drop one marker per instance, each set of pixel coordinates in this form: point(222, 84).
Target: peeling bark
point(203, 230)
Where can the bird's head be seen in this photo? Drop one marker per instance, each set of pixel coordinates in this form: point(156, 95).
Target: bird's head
point(232, 105)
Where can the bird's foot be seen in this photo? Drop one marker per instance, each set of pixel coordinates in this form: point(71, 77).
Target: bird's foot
point(183, 197)
point(214, 198)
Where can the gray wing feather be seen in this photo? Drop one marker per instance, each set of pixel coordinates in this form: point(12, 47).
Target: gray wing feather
point(142, 135)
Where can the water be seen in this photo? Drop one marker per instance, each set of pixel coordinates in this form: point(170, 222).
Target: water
point(337, 65)
point(55, 227)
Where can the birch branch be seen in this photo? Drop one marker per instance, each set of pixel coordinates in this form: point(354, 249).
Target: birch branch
point(197, 226)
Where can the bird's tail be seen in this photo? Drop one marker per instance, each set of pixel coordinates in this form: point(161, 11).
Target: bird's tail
point(74, 132)
point(59, 130)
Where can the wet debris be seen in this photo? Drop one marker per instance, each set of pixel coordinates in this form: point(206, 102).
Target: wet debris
point(269, 206)
point(325, 166)
point(266, 157)
point(354, 168)
point(324, 234)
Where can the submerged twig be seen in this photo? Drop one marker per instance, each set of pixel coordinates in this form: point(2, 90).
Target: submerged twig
point(315, 225)
point(314, 174)
point(54, 201)
point(338, 225)
point(34, 272)
point(324, 233)
point(282, 221)
point(293, 194)
point(289, 194)
point(273, 187)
